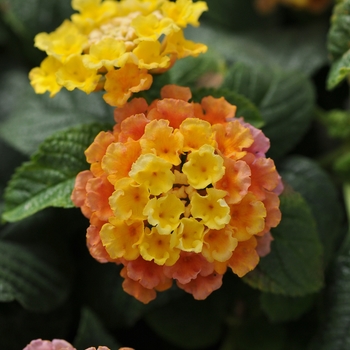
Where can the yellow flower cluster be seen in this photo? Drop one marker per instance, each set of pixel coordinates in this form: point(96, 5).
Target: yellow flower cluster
point(115, 45)
point(179, 190)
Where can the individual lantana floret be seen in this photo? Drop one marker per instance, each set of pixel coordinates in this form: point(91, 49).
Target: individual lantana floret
point(185, 192)
point(115, 46)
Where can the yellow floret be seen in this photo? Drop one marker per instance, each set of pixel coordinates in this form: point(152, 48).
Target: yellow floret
point(196, 132)
point(164, 213)
point(74, 75)
point(211, 209)
point(184, 12)
point(154, 172)
point(151, 27)
point(157, 247)
point(129, 200)
point(160, 139)
point(122, 240)
point(189, 235)
point(65, 42)
point(108, 53)
point(203, 167)
point(44, 78)
point(149, 55)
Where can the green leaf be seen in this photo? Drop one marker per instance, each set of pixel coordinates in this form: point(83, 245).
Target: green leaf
point(10, 160)
point(316, 187)
point(57, 323)
point(245, 108)
point(338, 44)
point(342, 166)
point(294, 266)
point(39, 116)
point(235, 15)
point(91, 332)
point(256, 334)
point(338, 35)
point(280, 308)
point(48, 178)
point(304, 52)
point(106, 297)
point(340, 69)
point(336, 335)
point(188, 71)
point(285, 101)
point(25, 277)
point(32, 16)
point(188, 323)
point(337, 122)
point(14, 85)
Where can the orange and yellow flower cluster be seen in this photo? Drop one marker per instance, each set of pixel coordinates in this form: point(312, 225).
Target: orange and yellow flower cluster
point(179, 191)
point(115, 45)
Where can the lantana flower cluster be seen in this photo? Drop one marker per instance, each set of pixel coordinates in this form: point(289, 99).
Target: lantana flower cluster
point(179, 191)
point(315, 6)
point(59, 344)
point(115, 45)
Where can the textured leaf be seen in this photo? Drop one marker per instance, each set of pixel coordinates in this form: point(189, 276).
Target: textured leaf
point(91, 332)
point(338, 44)
point(245, 108)
point(280, 308)
point(294, 266)
point(336, 336)
point(39, 116)
point(285, 101)
point(316, 187)
point(24, 277)
point(48, 178)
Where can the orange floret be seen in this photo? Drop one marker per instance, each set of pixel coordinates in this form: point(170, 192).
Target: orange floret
point(134, 288)
point(176, 111)
point(202, 286)
point(188, 267)
point(236, 180)
point(97, 150)
point(244, 258)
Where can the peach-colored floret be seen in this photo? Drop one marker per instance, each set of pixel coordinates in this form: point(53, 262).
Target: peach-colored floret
point(202, 286)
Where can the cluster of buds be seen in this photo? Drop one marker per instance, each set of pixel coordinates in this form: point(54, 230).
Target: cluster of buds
point(179, 191)
point(115, 45)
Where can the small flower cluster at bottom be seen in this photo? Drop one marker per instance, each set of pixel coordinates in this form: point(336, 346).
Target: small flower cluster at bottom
point(179, 191)
point(59, 344)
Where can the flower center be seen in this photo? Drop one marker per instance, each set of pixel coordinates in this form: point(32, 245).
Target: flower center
point(118, 28)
